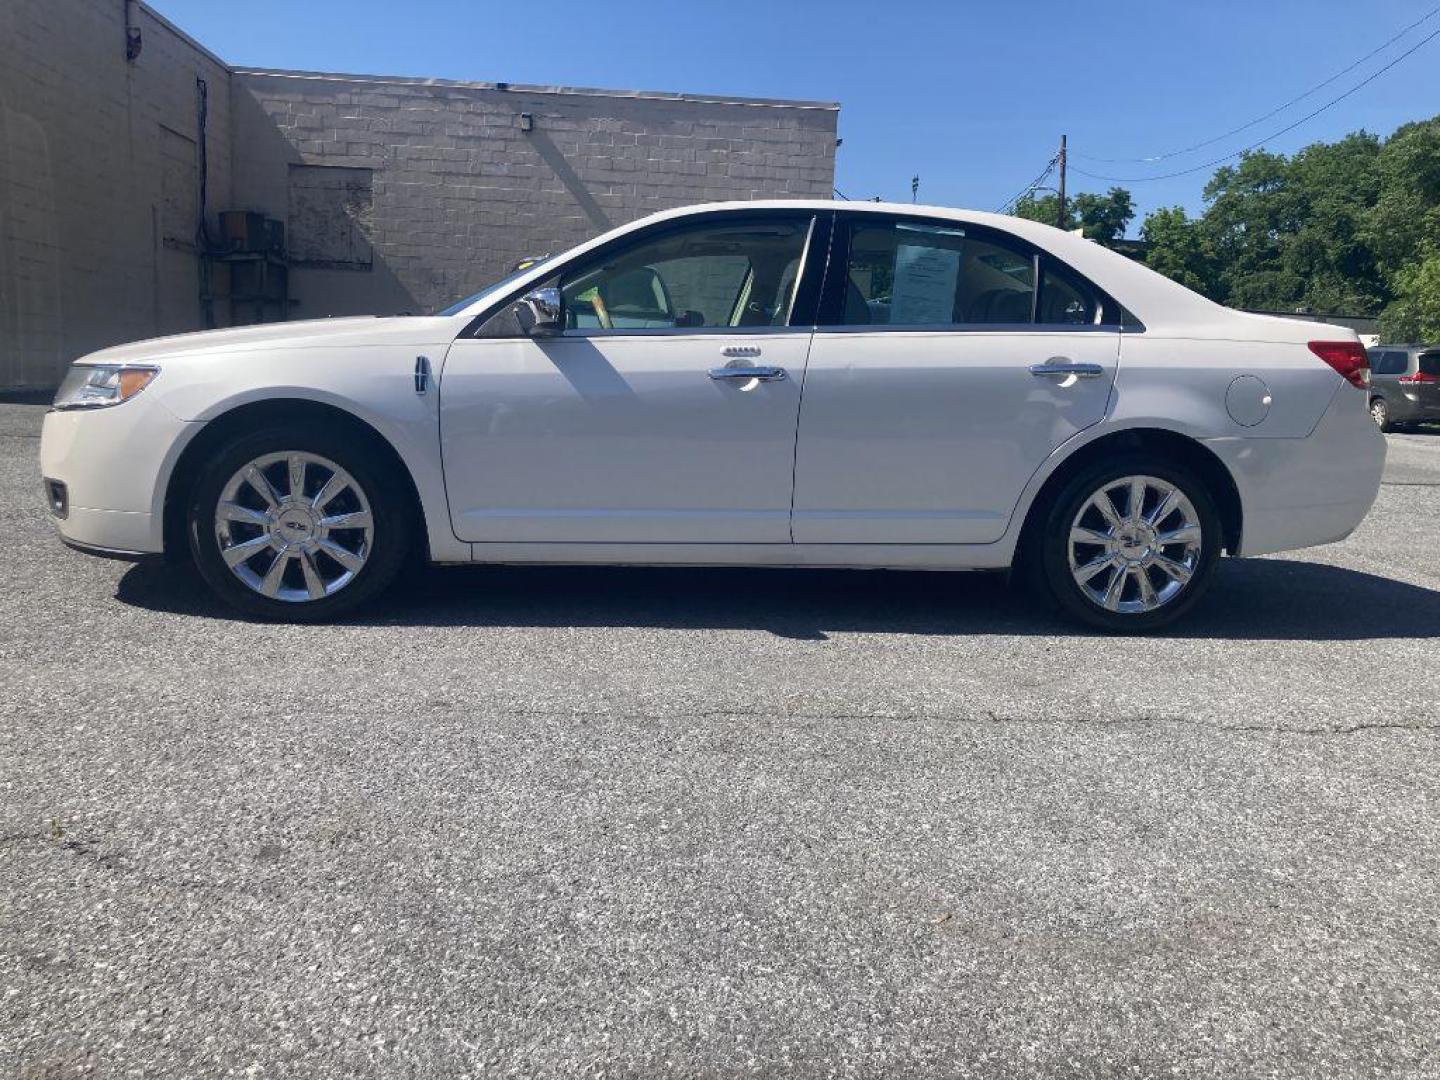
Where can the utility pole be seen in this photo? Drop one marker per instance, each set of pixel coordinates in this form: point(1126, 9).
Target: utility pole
point(1060, 214)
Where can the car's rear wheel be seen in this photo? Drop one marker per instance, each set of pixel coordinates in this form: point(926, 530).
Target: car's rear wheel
point(1380, 413)
point(298, 526)
point(1130, 544)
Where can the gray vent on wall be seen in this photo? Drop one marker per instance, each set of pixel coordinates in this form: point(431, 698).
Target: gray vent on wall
point(331, 217)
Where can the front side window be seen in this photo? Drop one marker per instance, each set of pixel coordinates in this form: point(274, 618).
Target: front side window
point(718, 274)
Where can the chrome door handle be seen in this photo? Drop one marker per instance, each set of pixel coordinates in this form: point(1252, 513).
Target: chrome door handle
point(762, 374)
point(1058, 365)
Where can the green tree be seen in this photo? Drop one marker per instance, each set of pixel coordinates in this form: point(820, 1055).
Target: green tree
point(1403, 224)
point(1414, 314)
point(1177, 247)
point(1335, 186)
point(1252, 213)
point(1102, 217)
point(1402, 228)
point(1350, 227)
point(1044, 209)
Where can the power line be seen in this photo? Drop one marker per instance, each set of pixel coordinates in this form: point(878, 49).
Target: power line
point(1273, 112)
point(1049, 168)
point(1275, 135)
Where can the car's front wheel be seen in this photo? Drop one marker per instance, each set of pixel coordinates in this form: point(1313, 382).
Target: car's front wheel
point(298, 526)
point(1130, 544)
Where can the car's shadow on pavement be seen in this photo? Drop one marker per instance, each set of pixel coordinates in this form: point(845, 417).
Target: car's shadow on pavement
point(1265, 599)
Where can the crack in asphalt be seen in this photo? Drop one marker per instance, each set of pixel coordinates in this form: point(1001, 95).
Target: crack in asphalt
point(1351, 730)
point(994, 719)
point(89, 852)
point(83, 848)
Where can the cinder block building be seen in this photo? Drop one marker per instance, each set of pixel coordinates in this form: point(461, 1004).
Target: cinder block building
point(140, 177)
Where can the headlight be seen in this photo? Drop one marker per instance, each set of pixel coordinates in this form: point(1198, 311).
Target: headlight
point(94, 386)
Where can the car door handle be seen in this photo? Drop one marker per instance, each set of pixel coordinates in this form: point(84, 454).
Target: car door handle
point(762, 374)
point(1058, 365)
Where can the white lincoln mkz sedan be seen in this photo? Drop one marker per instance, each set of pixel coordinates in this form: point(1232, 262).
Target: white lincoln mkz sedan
point(778, 383)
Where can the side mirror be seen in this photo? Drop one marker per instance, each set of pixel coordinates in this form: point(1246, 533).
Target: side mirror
point(538, 312)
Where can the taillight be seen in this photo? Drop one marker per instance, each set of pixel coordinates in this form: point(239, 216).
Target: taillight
point(1419, 376)
point(1347, 358)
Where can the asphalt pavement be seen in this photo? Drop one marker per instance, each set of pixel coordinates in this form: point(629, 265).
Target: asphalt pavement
point(575, 822)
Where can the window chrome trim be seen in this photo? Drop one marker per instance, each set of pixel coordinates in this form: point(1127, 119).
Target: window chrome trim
point(1037, 268)
point(859, 328)
point(975, 328)
point(672, 331)
point(800, 271)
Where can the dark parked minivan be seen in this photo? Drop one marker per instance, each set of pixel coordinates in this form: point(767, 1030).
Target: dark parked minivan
point(1404, 385)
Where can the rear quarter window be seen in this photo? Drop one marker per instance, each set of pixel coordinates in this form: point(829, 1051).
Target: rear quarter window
point(1389, 362)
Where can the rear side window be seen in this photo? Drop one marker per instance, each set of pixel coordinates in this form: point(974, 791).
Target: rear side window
point(1391, 363)
point(902, 274)
point(1063, 299)
point(919, 274)
point(1430, 363)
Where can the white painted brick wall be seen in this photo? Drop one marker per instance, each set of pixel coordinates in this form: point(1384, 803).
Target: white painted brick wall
point(93, 248)
point(461, 192)
point(82, 188)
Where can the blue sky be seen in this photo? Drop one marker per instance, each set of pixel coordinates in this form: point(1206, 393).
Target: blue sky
point(971, 96)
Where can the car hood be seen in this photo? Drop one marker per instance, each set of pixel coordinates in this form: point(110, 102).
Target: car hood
point(311, 333)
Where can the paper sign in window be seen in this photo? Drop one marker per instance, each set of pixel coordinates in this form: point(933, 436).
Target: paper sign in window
point(925, 280)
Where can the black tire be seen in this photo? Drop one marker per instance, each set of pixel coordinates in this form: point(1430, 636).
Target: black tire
point(1051, 549)
point(391, 511)
point(1380, 413)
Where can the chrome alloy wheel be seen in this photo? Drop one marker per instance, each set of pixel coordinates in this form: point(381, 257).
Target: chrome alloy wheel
point(1135, 544)
point(294, 526)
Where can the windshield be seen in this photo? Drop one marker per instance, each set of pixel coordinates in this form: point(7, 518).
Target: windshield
point(526, 265)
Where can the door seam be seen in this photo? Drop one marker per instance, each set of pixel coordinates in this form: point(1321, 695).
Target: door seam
point(805, 371)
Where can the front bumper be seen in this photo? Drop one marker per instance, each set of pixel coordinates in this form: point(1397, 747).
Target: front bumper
point(112, 464)
point(108, 553)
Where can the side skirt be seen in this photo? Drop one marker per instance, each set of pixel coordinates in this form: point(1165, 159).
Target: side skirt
point(995, 556)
